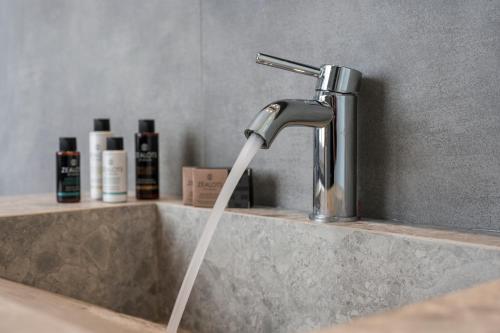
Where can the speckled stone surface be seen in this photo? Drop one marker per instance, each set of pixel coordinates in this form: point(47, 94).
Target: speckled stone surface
point(473, 310)
point(267, 270)
point(106, 256)
point(279, 274)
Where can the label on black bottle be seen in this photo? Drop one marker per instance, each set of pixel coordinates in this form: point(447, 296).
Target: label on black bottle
point(146, 166)
point(68, 176)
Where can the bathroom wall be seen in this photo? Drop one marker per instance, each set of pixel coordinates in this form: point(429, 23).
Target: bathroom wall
point(429, 122)
point(63, 63)
point(429, 117)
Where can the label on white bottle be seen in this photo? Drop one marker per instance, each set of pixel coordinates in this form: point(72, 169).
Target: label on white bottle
point(114, 176)
point(97, 144)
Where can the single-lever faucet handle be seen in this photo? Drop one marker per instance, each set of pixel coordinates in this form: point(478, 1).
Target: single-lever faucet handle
point(288, 65)
point(331, 78)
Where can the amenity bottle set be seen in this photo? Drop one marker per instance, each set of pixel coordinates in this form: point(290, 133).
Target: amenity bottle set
point(108, 165)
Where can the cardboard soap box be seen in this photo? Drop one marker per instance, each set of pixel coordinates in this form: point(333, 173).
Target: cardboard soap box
point(207, 184)
point(201, 188)
point(187, 185)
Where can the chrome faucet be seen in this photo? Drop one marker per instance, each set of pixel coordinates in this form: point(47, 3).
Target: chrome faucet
point(332, 113)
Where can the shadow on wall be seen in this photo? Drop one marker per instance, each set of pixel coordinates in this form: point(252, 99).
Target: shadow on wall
point(186, 153)
point(190, 151)
point(373, 150)
point(267, 181)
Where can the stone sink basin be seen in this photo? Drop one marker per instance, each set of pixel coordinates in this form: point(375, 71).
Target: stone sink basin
point(265, 271)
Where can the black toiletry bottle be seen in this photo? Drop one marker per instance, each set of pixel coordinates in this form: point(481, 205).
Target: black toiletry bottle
point(146, 161)
point(68, 171)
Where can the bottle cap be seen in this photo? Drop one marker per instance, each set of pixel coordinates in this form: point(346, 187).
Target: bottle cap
point(67, 144)
point(114, 143)
point(146, 126)
point(101, 125)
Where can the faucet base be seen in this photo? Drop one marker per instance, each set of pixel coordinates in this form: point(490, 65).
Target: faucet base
point(331, 219)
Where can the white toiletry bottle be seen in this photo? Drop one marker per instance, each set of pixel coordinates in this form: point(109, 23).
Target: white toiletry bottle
point(114, 171)
point(97, 143)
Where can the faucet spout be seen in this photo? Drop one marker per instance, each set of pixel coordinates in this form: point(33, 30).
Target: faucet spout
point(288, 112)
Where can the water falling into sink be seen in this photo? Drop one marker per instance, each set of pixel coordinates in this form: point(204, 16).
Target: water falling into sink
point(249, 150)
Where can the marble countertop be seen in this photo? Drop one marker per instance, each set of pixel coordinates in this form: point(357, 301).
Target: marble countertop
point(46, 204)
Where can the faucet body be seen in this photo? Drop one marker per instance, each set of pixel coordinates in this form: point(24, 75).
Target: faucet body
point(332, 114)
point(334, 168)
